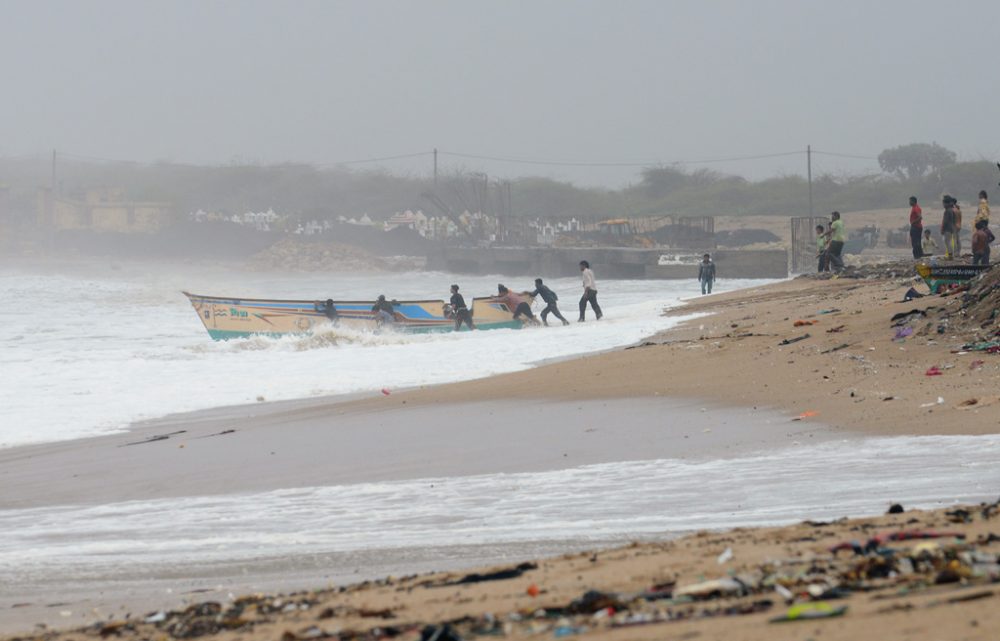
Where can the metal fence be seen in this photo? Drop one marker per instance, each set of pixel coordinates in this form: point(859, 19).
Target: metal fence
point(804, 242)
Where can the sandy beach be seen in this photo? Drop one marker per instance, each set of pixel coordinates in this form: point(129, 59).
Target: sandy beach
point(720, 384)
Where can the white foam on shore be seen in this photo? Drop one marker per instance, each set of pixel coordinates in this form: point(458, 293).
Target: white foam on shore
point(90, 352)
point(614, 501)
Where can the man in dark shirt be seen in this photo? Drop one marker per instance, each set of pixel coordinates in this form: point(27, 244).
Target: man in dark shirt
point(460, 310)
point(550, 298)
point(706, 274)
point(328, 309)
point(383, 310)
point(916, 228)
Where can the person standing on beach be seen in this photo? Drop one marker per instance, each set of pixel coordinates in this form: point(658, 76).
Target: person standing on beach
point(837, 238)
point(550, 298)
point(821, 256)
point(589, 292)
point(983, 211)
point(983, 214)
point(948, 230)
point(706, 274)
point(980, 245)
point(958, 227)
point(916, 227)
point(460, 310)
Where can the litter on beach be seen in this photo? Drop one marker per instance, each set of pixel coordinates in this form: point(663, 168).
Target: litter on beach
point(809, 611)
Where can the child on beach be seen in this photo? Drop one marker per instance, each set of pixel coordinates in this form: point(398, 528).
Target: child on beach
point(821, 239)
point(929, 245)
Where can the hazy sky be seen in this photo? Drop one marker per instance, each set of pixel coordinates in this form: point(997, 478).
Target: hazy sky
point(572, 80)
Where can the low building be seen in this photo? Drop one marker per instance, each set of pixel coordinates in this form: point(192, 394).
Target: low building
point(105, 209)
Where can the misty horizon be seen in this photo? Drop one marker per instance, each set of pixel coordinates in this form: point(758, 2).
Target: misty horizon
point(618, 86)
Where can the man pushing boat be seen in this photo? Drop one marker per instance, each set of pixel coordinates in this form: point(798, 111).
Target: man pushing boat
point(515, 303)
point(551, 304)
point(460, 310)
point(384, 311)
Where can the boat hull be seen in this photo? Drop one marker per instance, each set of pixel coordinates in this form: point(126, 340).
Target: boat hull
point(938, 276)
point(228, 318)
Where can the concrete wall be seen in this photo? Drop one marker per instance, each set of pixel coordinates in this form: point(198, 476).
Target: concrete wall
point(100, 215)
point(608, 262)
point(109, 217)
point(731, 263)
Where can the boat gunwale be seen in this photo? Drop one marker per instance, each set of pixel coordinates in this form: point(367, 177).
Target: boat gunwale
point(313, 301)
point(308, 301)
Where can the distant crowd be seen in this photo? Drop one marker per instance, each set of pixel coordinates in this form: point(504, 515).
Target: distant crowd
point(830, 238)
point(923, 243)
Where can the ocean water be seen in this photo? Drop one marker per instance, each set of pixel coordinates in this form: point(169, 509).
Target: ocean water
point(89, 349)
point(601, 503)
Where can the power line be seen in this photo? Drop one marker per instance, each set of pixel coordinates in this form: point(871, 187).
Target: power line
point(25, 157)
point(840, 155)
point(473, 156)
point(381, 159)
point(119, 161)
point(570, 163)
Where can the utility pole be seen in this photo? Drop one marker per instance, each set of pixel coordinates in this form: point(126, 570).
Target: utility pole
point(50, 208)
point(435, 166)
point(510, 207)
point(484, 203)
point(809, 172)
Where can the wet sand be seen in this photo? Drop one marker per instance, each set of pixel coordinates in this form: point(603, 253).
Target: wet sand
point(312, 443)
point(342, 441)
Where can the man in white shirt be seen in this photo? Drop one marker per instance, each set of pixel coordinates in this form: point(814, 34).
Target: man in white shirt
point(589, 292)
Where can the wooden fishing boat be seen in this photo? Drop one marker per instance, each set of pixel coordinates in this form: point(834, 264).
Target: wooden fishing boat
point(938, 276)
point(226, 318)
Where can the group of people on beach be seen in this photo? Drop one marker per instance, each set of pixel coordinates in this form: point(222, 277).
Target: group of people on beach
point(830, 238)
point(830, 244)
point(519, 304)
point(923, 243)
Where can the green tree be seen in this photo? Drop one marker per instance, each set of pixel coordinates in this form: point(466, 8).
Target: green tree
point(658, 182)
point(915, 160)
